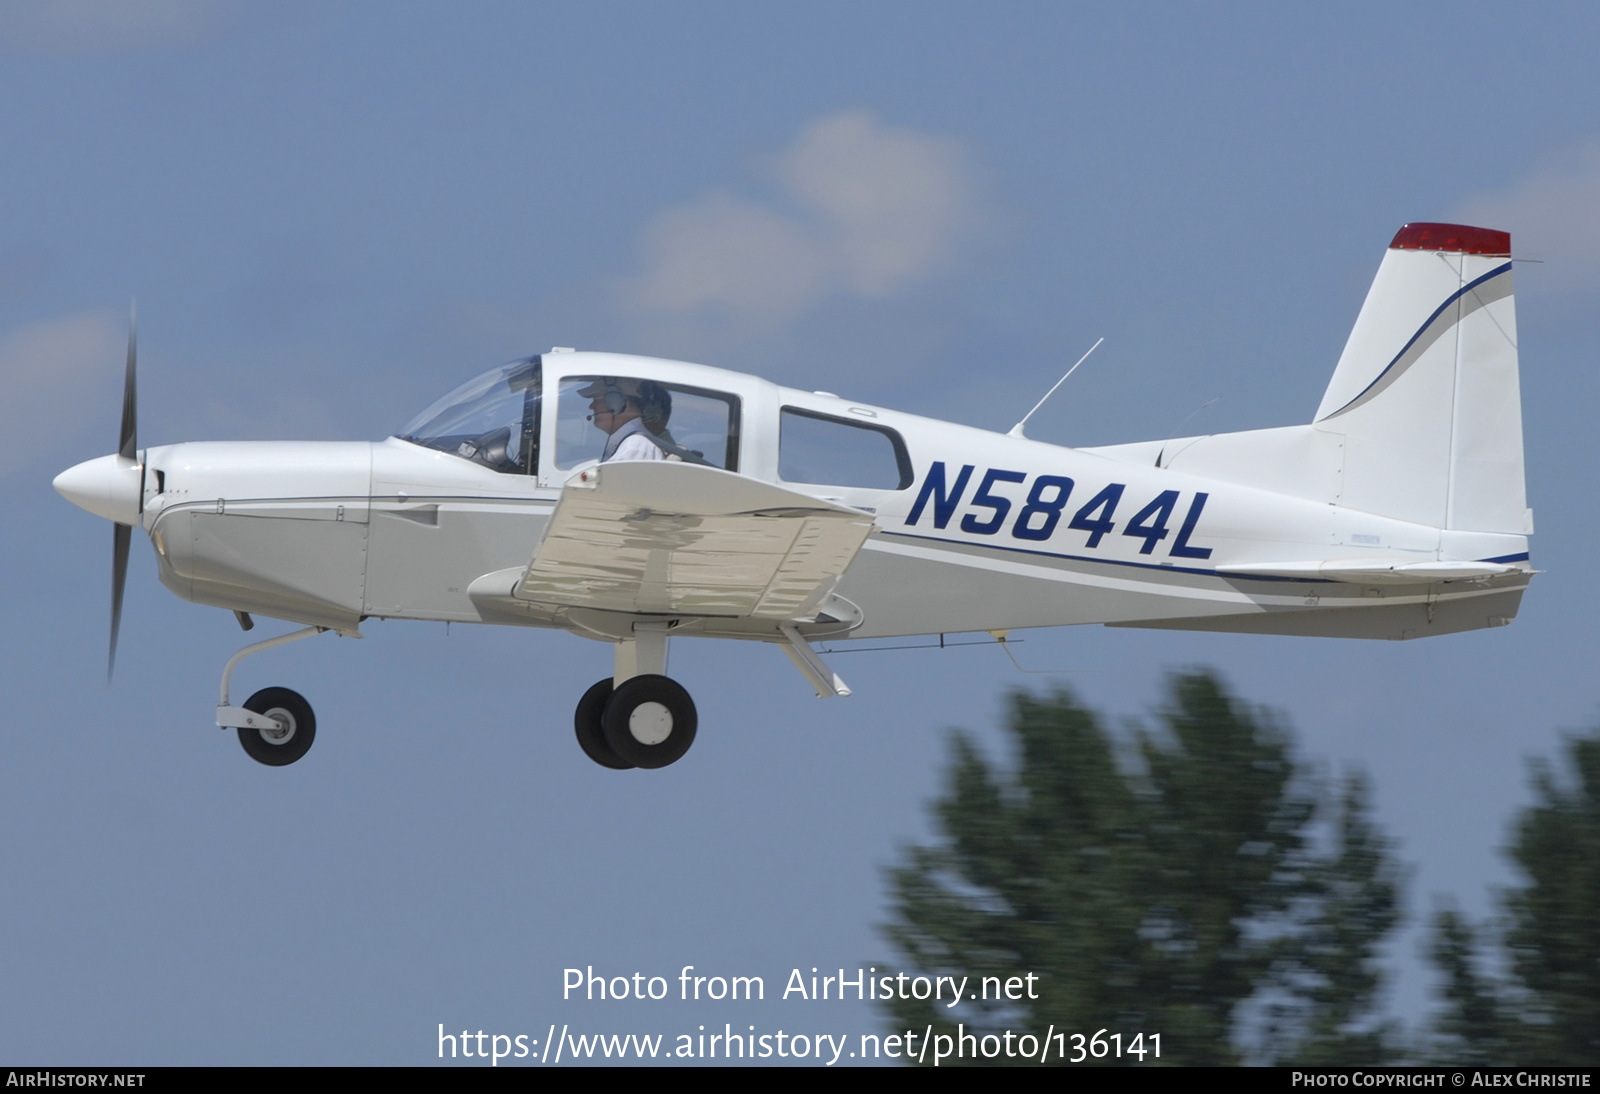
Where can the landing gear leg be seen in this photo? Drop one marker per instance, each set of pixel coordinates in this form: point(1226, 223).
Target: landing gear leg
point(276, 726)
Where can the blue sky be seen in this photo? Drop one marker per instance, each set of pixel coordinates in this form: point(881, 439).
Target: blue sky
point(330, 214)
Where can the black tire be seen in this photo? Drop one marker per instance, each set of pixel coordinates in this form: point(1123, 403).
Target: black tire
point(290, 710)
point(590, 725)
point(647, 736)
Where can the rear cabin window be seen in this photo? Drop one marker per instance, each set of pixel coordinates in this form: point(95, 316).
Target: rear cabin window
point(815, 448)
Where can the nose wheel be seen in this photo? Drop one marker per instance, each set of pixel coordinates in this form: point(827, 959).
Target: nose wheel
point(648, 722)
point(289, 736)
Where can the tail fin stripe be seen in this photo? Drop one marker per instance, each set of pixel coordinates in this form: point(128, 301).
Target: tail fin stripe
point(1430, 331)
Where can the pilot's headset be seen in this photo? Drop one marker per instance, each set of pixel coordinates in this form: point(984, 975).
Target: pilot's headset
point(616, 402)
point(611, 395)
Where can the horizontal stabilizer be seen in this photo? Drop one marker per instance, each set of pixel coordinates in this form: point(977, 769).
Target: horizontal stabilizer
point(662, 537)
point(1372, 571)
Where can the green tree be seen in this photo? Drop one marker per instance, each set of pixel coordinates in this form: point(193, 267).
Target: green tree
point(1554, 934)
point(1548, 1011)
point(1331, 962)
point(1475, 1026)
point(1156, 895)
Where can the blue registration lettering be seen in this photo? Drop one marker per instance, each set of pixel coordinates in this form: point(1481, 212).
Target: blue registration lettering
point(944, 503)
point(1105, 505)
point(1000, 505)
point(1180, 546)
point(1152, 534)
point(1050, 510)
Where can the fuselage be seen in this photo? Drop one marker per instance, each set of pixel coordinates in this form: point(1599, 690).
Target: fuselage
point(973, 530)
point(632, 500)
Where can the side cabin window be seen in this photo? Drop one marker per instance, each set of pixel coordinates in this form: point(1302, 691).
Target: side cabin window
point(821, 450)
point(685, 423)
point(492, 419)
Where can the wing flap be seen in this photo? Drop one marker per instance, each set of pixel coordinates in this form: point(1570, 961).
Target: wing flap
point(678, 538)
point(822, 549)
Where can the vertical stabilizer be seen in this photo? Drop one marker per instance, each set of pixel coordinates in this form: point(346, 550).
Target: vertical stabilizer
point(1426, 394)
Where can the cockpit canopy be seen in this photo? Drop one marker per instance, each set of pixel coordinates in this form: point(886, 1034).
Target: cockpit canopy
point(595, 400)
point(492, 419)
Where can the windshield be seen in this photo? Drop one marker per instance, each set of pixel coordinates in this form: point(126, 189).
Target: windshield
point(492, 419)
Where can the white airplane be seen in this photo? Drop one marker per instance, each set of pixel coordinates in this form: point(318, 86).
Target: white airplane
point(775, 515)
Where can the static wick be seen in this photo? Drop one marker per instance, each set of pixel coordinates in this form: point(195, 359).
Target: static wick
point(1016, 430)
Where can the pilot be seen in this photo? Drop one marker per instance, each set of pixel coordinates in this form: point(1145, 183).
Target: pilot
point(616, 409)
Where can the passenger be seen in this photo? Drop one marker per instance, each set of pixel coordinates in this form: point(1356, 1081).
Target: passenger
point(616, 410)
point(655, 407)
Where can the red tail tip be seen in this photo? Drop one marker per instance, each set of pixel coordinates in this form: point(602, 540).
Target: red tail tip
point(1455, 238)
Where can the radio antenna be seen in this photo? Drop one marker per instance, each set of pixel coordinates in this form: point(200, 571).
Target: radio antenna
point(1016, 430)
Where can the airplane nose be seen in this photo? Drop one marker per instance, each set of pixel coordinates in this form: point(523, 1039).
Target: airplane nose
point(107, 487)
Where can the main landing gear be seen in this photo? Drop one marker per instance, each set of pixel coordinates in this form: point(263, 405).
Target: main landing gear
point(638, 717)
point(275, 725)
point(648, 722)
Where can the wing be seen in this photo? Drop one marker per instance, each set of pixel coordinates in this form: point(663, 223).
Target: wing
point(663, 537)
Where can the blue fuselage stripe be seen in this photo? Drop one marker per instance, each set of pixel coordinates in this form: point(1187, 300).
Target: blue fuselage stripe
point(1106, 561)
point(1523, 557)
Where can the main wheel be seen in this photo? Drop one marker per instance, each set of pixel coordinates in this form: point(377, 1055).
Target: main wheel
point(650, 721)
point(589, 722)
point(297, 727)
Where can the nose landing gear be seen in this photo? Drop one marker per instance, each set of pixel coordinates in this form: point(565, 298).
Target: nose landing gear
point(275, 725)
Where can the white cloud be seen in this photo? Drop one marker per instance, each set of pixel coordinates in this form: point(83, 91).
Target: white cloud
point(58, 376)
point(895, 202)
point(92, 27)
point(1552, 213)
point(862, 209)
point(737, 254)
